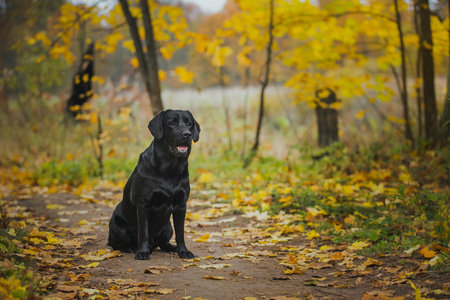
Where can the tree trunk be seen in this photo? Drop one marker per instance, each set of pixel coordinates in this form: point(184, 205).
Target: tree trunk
point(418, 74)
point(403, 88)
point(265, 82)
point(327, 121)
point(153, 76)
point(445, 116)
point(431, 118)
point(4, 96)
point(153, 90)
point(264, 85)
point(245, 111)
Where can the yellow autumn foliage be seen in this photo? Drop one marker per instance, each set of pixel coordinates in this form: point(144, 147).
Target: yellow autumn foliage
point(12, 289)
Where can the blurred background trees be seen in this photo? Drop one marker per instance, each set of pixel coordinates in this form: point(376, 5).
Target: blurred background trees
point(382, 59)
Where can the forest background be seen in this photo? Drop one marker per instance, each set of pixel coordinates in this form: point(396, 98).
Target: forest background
point(257, 76)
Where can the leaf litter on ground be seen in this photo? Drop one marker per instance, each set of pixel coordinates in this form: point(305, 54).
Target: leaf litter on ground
point(253, 220)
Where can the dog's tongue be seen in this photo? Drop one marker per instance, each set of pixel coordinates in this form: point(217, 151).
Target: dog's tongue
point(182, 148)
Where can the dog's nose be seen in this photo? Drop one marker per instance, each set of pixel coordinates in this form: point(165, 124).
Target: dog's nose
point(186, 133)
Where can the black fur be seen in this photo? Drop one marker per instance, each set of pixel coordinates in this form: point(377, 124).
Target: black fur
point(157, 188)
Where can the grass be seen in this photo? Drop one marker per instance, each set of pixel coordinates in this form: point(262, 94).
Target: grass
point(375, 190)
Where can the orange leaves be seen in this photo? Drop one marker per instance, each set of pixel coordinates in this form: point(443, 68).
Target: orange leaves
point(427, 253)
point(293, 270)
point(440, 248)
point(75, 277)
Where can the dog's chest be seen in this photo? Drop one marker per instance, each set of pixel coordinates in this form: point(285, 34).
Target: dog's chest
point(168, 197)
point(160, 194)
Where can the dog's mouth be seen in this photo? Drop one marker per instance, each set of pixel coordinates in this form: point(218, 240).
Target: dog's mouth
point(179, 149)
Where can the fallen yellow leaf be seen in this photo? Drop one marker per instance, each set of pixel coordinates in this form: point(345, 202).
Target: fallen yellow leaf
point(91, 265)
point(351, 220)
point(213, 277)
point(55, 206)
point(358, 245)
point(312, 234)
point(205, 177)
point(203, 239)
point(214, 266)
point(160, 291)
point(360, 114)
point(294, 270)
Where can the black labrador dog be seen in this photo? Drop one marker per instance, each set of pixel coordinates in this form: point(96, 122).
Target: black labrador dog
point(157, 188)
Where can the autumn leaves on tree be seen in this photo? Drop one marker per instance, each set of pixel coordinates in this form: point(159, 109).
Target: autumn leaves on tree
point(358, 50)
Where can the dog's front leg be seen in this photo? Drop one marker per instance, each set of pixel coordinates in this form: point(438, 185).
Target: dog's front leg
point(178, 222)
point(143, 251)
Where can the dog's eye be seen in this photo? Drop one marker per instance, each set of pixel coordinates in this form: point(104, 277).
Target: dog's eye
point(171, 123)
point(189, 124)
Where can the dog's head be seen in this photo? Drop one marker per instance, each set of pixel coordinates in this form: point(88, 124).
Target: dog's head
point(176, 129)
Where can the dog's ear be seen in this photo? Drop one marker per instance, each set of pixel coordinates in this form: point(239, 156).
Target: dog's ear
point(196, 131)
point(156, 125)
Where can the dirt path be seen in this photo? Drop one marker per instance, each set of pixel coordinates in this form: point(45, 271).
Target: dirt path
point(237, 256)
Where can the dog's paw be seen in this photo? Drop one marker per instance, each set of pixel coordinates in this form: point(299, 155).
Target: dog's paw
point(142, 255)
point(186, 254)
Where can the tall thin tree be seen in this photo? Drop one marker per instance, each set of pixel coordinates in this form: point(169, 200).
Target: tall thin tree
point(429, 94)
point(148, 65)
point(264, 85)
point(403, 89)
point(445, 116)
point(418, 89)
